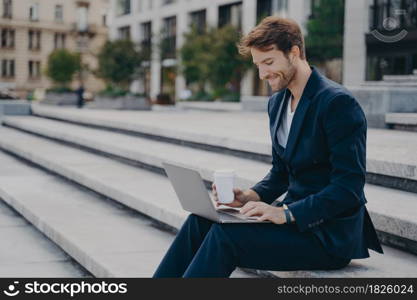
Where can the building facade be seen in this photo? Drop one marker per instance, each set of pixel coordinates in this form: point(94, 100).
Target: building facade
point(31, 29)
point(380, 39)
point(143, 21)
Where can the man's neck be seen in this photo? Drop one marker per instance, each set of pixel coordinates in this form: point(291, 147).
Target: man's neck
point(299, 82)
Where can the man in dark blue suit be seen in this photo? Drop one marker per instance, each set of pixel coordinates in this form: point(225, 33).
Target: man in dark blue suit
point(318, 133)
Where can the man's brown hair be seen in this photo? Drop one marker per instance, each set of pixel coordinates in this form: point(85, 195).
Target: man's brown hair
point(282, 32)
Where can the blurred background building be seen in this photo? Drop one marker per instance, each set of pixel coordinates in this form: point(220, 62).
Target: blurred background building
point(31, 30)
point(380, 39)
point(143, 21)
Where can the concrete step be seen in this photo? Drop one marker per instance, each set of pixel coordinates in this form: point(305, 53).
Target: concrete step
point(113, 241)
point(26, 252)
point(389, 164)
point(395, 223)
point(108, 239)
point(400, 78)
point(119, 181)
point(390, 84)
point(402, 121)
point(214, 106)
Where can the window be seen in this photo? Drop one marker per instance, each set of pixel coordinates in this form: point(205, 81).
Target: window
point(7, 38)
point(82, 17)
point(34, 69)
point(123, 7)
point(34, 38)
point(198, 20)
point(34, 12)
point(7, 9)
point(124, 33)
point(59, 40)
point(59, 13)
point(7, 68)
point(403, 14)
point(231, 14)
point(169, 37)
point(380, 65)
point(146, 40)
point(266, 8)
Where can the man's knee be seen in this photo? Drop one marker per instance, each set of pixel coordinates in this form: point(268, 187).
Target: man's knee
point(223, 232)
point(195, 219)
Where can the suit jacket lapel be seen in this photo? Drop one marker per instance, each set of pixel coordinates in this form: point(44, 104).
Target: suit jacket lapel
point(296, 125)
point(280, 113)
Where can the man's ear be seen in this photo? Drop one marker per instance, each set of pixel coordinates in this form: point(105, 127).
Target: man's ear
point(295, 51)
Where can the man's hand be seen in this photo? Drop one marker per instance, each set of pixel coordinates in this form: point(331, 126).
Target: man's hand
point(241, 197)
point(264, 211)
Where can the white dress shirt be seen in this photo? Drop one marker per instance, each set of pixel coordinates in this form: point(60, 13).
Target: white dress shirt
point(285, 126)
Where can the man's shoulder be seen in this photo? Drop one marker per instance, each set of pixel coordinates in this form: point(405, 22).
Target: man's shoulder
point(329, 91)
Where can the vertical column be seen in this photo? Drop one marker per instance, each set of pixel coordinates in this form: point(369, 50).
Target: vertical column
point(354, 46)
point(111, 16)
point(249, 21)
point(156, 60)
point(212, 14)
point(299, 10)
point(182, 27)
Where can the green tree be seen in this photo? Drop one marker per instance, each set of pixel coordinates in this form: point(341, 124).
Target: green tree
point(62, 65)
point(196, 58)
point(212, 57)
point(118, 63)
point(227, 65)
point(324, 38)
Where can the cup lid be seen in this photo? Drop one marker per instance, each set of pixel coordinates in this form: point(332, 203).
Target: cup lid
point(224, 172)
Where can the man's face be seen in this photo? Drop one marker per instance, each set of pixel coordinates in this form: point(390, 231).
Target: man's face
point(274, 66)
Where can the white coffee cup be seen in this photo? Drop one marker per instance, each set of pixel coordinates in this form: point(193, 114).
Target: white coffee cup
point(224, 181)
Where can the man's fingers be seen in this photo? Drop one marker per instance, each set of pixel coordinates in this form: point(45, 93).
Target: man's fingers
point(248, 206)
point(262, 218)
point(254, 211)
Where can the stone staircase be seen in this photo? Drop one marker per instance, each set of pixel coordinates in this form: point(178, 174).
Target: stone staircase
point(120, 211)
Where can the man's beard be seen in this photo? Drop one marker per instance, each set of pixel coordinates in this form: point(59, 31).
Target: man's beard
point(286, 76)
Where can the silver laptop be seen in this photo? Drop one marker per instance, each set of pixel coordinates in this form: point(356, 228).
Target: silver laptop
point(194, 197)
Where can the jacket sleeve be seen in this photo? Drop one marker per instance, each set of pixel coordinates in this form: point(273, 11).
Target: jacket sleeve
point(275, 183)
point(345, 127)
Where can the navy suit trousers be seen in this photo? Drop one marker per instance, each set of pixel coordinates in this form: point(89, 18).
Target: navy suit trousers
point(203, 248)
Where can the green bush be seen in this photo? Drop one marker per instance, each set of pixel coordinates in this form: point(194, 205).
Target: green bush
point(62, 65)
point(118, 63)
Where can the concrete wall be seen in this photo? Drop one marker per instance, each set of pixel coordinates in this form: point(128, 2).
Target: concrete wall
point(377, 101)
